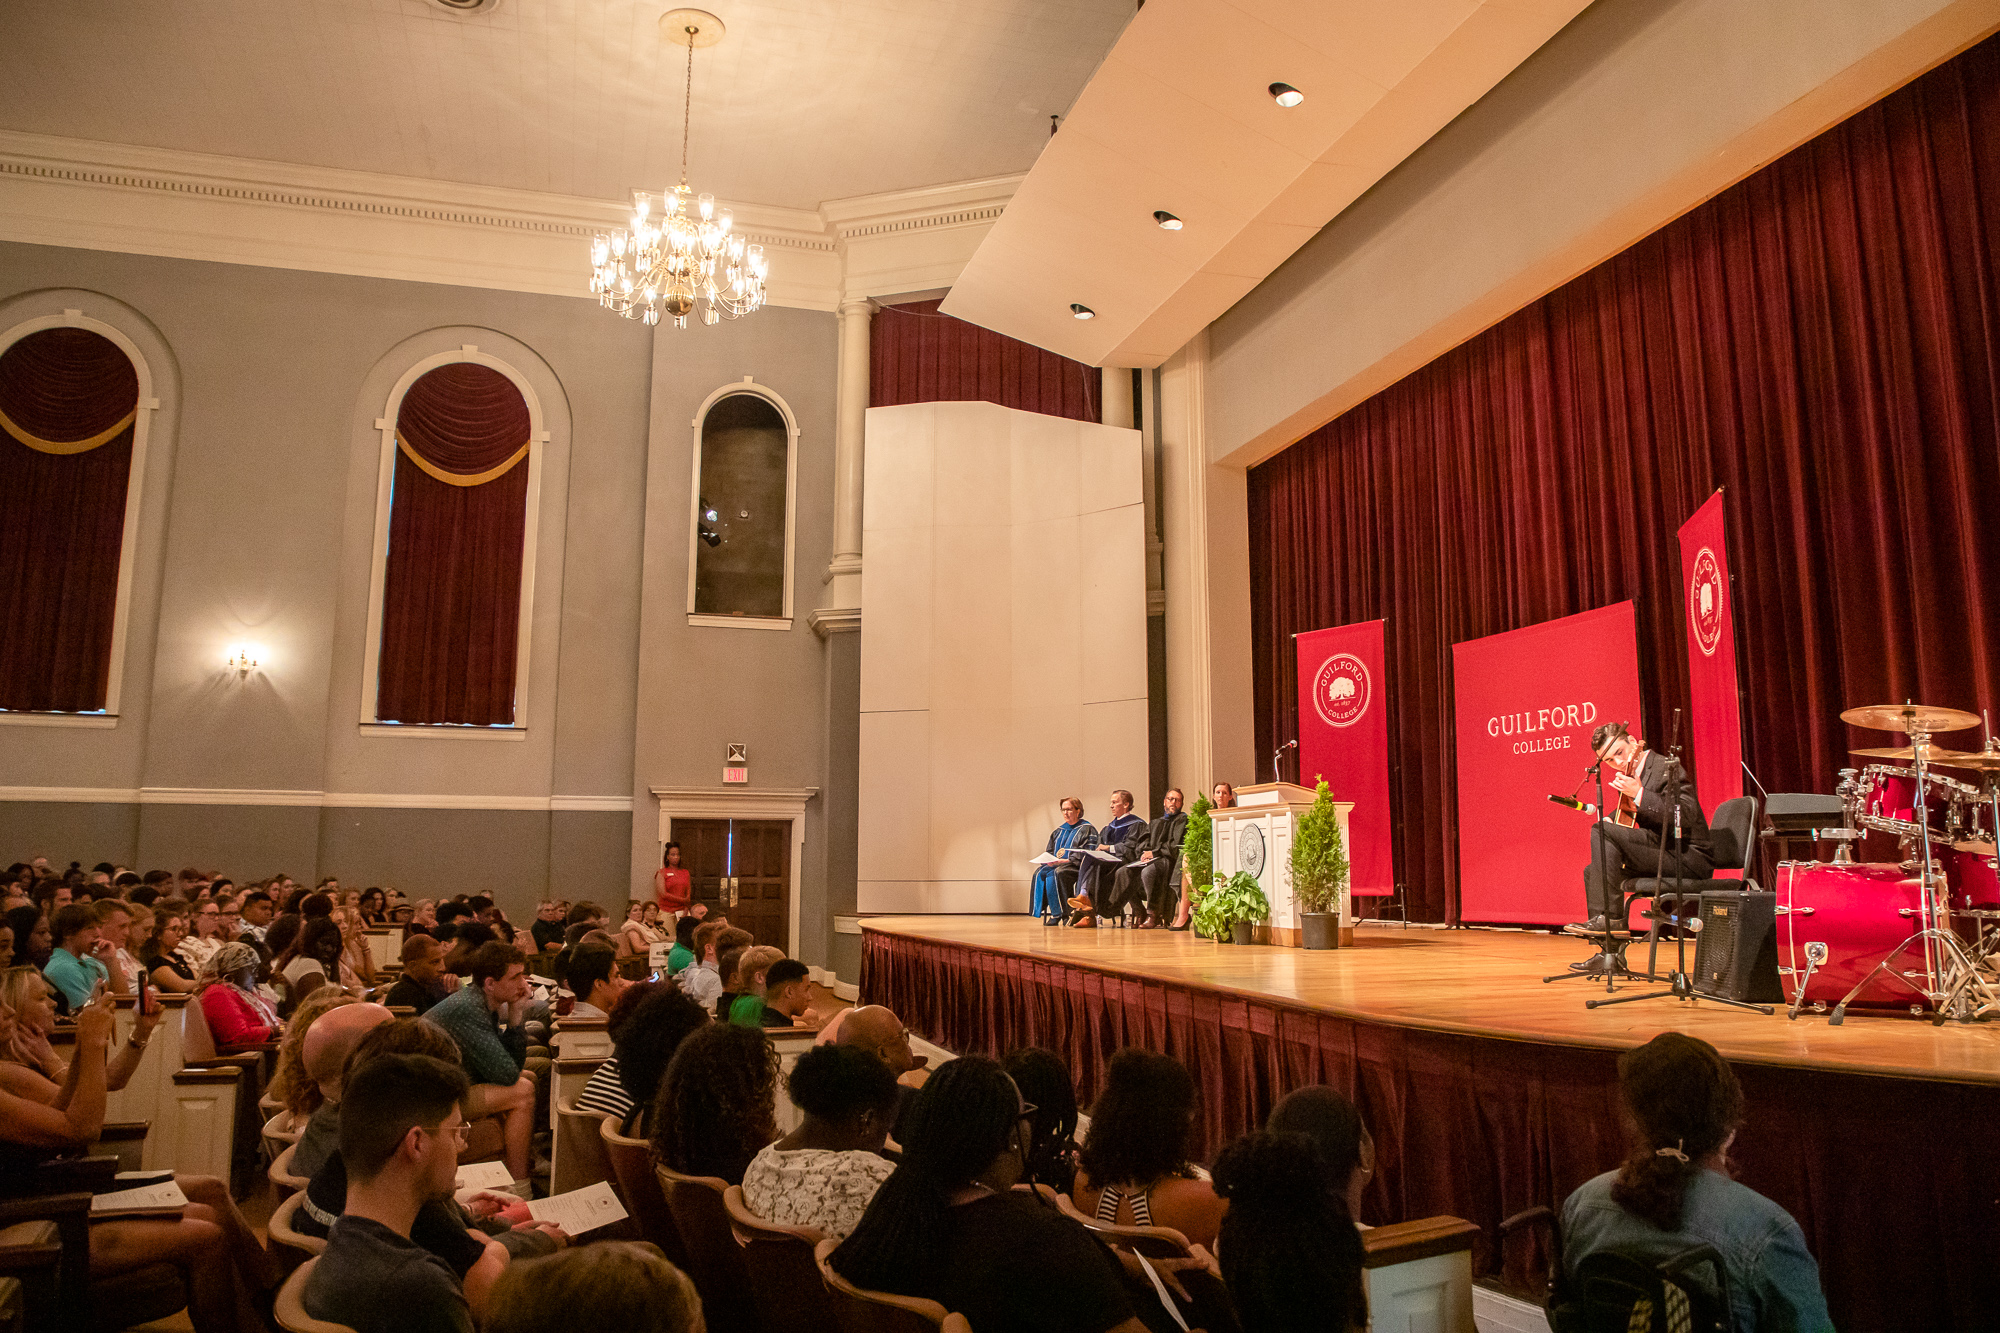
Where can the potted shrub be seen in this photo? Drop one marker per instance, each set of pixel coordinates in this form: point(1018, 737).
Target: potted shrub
point(1319, 871)
point(1232, 909)
point(1198, 855)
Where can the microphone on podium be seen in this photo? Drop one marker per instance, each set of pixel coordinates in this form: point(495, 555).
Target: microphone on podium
point(1277, 759)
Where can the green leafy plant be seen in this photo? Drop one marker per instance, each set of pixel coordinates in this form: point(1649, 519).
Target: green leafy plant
point(1236, 899)
point(1319, 856)
point(1198, 845)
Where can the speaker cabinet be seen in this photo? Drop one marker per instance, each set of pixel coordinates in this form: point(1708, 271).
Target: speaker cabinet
point(1736, 952)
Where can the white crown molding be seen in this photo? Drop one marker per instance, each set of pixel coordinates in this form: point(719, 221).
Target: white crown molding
point(250, 796)
point(134, 199)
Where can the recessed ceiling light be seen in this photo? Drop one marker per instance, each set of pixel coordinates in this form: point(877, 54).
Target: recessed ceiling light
point(1082, 311)
point(1167, 221)
point(1286, 95)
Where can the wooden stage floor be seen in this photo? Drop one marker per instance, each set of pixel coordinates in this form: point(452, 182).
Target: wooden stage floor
point(1485, 983)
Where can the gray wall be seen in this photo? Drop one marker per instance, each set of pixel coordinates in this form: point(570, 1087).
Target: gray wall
point(258, 516)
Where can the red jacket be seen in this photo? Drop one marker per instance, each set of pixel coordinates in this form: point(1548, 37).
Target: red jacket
point(233, 1020)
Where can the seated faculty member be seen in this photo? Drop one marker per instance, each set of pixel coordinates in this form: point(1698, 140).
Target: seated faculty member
point(1054, 883)
point(1096, 879)
point(400, 1128)
point(1150, 879)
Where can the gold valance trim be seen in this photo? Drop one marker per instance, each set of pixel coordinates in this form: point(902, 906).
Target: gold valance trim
point(41, 445)
point(459, 478)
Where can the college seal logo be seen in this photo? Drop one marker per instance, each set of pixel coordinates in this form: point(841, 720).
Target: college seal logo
point(1705, 602)
point(1342, 690)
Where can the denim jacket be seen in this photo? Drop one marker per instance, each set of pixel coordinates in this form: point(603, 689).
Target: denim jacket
point(1773, 1281)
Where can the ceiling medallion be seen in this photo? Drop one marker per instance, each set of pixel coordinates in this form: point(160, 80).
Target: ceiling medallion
point(681, 260)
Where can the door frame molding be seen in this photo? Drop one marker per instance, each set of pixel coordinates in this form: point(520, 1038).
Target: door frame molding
point(787, 803)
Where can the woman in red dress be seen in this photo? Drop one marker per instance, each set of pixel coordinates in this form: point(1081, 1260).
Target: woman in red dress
point(672, 886)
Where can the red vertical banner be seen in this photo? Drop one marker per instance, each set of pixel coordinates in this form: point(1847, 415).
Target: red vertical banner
point(1715, 716)
point(1525, 703)
point(1344, 737)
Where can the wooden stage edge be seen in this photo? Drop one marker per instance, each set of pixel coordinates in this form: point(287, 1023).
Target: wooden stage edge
point(1481, 983)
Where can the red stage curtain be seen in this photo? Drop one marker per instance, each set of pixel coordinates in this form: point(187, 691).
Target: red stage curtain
point(1480, 1127)
point(69, 398)
point(451, 599)
point(1822, 340)
point(917, 355)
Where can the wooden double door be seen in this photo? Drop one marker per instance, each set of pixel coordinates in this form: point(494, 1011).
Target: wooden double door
point(742, 868)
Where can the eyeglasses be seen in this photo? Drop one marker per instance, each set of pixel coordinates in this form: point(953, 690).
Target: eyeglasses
point(462, 1131)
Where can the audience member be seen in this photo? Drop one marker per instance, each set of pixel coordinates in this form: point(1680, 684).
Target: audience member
point(236, 1014)
point(423, 919)
point(647, 1025)
point(292, 1084)
point(222, 1264)
point(312, 961)
point(204, 935)
point(624, 1285)
point(32, 940)
point(824, 1172)
point(328, 1044)
point(1290, 1255)
point(635, 938)
point(1055, 882)
point(703, 979)
point(947, 1224)
point(1332, 1123)
point(37, 1071)
point(588, 915)
point(681, 956)
point(1683, 1107)
point(485, 1017)
point(424, 981)
point(6, 944)
point(161, 956)
point(114, 937)
point(256, 909)
point(717, 1106)
point(753, 967)
point(357, 960)
point(468, 937)
point(399, 1135)
point(592, 976)
point(1045, 1085)
point(1134, 1168)
point(547, 927)
point(73, 967)
point(374, 905)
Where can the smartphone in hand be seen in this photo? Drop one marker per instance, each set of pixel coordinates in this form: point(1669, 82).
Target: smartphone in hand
point(149, 1003)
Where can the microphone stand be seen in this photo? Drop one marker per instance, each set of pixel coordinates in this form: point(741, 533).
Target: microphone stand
point(1680, 985)
point(1609, 960)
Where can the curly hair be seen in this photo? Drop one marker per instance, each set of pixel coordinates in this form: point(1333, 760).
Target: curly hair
point(1291, 1256)
point(839, 1084)
point(292, 1085)
point(717, 1106)
point(1683, 1103)
point(1142, 1121)
point(646, 1039)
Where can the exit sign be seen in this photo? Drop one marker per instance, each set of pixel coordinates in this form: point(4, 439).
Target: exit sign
point(736, 773)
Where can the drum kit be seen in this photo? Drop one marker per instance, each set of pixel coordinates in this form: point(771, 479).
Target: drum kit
point(1923, 932)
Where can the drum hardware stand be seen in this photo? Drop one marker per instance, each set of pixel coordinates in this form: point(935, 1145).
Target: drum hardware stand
point(1815, 955)
point(1966, 994)
point(1849, 792)
point(1609, 960)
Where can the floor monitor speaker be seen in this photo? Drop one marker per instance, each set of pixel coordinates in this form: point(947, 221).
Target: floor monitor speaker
point(1736, 951)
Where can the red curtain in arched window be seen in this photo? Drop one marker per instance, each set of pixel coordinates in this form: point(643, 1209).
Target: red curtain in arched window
point(451, 596)
point(68, 401)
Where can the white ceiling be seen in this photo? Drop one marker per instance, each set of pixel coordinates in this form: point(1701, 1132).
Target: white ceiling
point(804, 101)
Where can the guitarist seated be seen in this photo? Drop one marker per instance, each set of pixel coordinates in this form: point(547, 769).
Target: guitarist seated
point(1627, 845)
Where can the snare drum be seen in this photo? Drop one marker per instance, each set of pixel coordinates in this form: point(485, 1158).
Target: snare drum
point(1860, 913)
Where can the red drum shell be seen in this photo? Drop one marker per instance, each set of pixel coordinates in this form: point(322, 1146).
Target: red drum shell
point(1972, 880)
point(1856, 911)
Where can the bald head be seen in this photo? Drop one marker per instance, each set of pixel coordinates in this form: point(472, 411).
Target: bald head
point(333, 1037)
point(876, 1028)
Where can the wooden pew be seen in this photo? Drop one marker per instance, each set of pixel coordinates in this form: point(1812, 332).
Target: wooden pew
point(1419, 1275)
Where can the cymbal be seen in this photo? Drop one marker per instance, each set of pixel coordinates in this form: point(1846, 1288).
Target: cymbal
point(1984, 760)
point(1933, 754)
point(1909, 717)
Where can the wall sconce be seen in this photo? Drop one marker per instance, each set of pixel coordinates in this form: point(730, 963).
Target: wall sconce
point(242, 659)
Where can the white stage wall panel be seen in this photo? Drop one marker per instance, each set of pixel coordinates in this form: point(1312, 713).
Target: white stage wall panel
point(1003, 646)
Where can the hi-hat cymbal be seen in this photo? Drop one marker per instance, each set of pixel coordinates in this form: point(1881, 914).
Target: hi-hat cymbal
point(1908, 718)
point(1933, 754)
point(1984, 760)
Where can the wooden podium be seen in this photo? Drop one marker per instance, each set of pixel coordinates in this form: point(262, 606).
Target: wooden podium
point(1255, 835)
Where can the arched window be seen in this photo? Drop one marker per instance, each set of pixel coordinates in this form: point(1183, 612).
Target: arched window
point(70, 409)
point(740, 567)
point(452, 601)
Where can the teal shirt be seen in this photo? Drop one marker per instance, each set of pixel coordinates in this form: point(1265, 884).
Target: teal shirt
point(75, 977)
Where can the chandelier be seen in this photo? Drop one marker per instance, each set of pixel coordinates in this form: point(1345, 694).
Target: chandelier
point(679, 258)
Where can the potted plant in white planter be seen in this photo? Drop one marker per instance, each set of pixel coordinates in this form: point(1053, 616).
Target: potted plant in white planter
point(1231, 910)
point(1319, 871)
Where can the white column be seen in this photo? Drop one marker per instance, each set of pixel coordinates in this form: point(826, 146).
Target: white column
point(843, 574)
point(1117, 396)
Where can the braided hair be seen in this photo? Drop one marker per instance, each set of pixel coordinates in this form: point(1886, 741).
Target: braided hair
point(1683, 1103)
point(966, 1115)
point(1291, 1256)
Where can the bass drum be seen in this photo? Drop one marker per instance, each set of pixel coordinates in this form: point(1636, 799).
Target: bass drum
point(1858, 913)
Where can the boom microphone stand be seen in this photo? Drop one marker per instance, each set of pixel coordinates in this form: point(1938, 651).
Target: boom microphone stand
point(1680, 985)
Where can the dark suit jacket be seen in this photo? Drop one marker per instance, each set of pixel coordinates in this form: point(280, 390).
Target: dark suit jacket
point(1656, 813)
point(1162, 838)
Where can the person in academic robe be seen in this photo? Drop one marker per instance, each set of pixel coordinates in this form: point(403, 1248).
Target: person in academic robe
point(1642, 780)
point(1095, 877)
point(1055, 882)
point(1150, 878)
